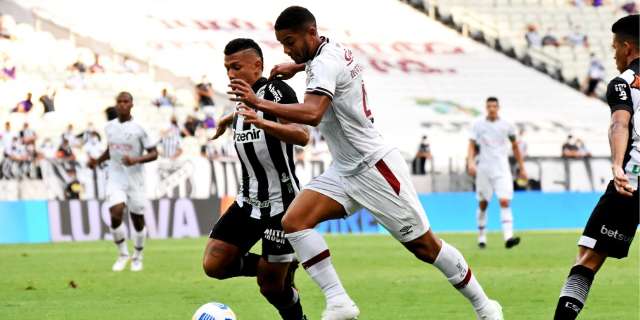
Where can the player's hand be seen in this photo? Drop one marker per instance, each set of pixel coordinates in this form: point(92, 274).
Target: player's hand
point(93, 163)
point(284, 71)
point(220, 130)
point(241, 92)
point(128, 161)
point(471, 169)
point(250, 116)
point(522, 174)
point(621, 182)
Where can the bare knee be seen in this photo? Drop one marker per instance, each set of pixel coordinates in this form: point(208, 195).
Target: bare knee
point(426, 248)
point(483, 205)
point(293, 222)
point(505, 203)
point(219, 256)
point(590, 258)
point(213, 269)
point(116, 213)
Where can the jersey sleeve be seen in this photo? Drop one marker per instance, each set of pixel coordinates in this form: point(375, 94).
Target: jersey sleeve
point(146, 140)
point(280, 92)
point(322, 77)
point(473, 133)
point(511, 132)
point(619, 95)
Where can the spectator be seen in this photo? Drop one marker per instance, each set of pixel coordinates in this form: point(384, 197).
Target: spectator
point(47, 149)
point(570, 148)
point(76, 79)
point(190, 127)
point(522, 144)
point(631, 7)
point(78, 67)
point(576, 38)
point(27, 135)
point(170, 143)
point(534, 40)
point(92, 145)
point(423, 154)
point(6, 24)
point(165, 100)
point(594, 76)
point(7, 137)
point(68, 136)
point(204, 93)
point(578, 3)
point(88, 133)
point(8, 71)
point(597, 3)
point(74, 187)
point(65, 155)
point(209, 121)
point(96, 67)
point(583, 152)
point(24, 106)
point(47, 100)
point(550, 39)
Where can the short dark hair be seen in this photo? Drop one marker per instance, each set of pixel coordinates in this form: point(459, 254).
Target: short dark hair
point(492, 99)
point(626, 28)
point(126, 93)
point(294, 18)
point(240, 44)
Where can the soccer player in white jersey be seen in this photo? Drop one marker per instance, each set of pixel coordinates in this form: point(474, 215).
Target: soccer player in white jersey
point(492, 136)
point(365, 172)
point(127, 143)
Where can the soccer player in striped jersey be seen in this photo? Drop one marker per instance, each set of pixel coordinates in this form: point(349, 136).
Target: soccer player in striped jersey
point(614, 220)
point(264, 145)
point(365, 172)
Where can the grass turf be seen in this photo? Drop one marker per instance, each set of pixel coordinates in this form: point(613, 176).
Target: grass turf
point(37, 281)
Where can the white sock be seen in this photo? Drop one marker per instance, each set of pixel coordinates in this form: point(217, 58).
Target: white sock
point(120, 239)
point(507, 222)
point(313, 252)
point(138, 242)
point(482, 225)
point(452, 264)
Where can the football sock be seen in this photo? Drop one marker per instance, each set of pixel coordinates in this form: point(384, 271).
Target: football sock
point(452, 264)
point(574, 293)
point(482, 225)
point(507, 222)
point(119, 238)
point(249, 265)
point(288, 305)
point(138, 242)
point(314, 254)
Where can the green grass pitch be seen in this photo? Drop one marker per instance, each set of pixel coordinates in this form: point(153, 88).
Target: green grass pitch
point(36, 281)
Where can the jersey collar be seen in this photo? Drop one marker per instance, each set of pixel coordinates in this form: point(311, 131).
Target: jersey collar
point(325, 40)
point(258, 84)
point(634, 65)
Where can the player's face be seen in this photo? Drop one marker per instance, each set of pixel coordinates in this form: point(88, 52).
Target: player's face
point(492, 109)
point(244, 65)
point(622, 49)
point(123, 105)
point(296, 44)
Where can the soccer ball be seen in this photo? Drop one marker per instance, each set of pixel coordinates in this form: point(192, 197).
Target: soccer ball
point(214, 311)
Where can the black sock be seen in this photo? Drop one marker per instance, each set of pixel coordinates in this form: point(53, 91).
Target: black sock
point(289, 306)
point(574, 293)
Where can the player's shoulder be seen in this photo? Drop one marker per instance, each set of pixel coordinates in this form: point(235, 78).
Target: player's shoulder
point(111, 124)
point(280, 91)
point(328, 52)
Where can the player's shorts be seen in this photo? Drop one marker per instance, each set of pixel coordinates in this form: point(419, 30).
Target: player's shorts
point(385, 190)
point(121, 189)
point(487, 184)
point(238, 228)
point(612, 224)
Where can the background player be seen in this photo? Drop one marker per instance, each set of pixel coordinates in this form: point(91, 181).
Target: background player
point(264, 146)
point(614, 220)
point(365, 171)
point(127, 142)
point(492, 136)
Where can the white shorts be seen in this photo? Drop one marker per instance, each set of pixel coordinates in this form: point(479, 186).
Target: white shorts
point(487, 184)
point(123, 189)
point(385, 190)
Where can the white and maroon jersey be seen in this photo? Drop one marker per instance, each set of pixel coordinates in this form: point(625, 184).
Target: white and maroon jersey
point(623, 93)
point(130, 139)
point(493, 139)
point(347, 125)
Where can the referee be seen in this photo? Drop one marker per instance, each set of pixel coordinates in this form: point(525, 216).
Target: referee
point(614, 220)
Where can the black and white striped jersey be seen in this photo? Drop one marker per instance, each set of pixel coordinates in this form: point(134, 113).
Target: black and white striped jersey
point(170, 144)
point(269, 183)
point(623, 93)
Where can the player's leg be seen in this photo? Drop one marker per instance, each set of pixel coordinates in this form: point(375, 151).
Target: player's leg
point(275, 268)
point(388, 193)
point(608, 233)
point(135, 205)
point(322, 199)
point(226, 254)
point(484, 192)
point(116, 199)
point(503, 186)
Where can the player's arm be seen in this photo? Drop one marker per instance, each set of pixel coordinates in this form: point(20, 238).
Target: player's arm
point(522, 174)
point(309, 112)
point(287, 132)
point(223, 123)
point(618, 140)
point(151, 155)
point(619, 100)
point(102, 158)
point(286, 71)
point(471, 157)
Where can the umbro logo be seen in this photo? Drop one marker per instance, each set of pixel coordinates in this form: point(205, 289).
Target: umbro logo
point(406, 230)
